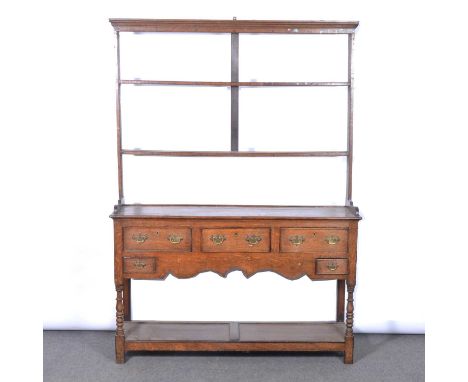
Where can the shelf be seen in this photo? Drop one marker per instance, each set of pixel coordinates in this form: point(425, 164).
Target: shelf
point(230, 84)
point(301, 336)
point(235, 26)
point(236, 153)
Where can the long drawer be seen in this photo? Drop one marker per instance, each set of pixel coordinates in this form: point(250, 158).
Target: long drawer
point(313, 240)
point(157, 239)
point(235, 240)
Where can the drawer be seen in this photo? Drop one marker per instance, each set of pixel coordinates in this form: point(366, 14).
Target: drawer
point(157, 239)
point(236, 240)
point(331, 266)
point(139, 264)
point(314, 240)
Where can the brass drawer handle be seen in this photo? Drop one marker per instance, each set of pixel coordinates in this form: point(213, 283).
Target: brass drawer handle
point(297, 239)
point(332, 240)
point(218, 239)
point(140, 237)
point(332, 266)
point(175, 239)
point(253, 240)
point(139, 264)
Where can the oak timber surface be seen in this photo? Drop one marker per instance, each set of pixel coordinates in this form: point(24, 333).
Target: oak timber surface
point(234, 26)
point(228, 212)
point(245, 332)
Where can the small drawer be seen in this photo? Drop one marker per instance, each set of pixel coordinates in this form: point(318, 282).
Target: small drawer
point(331, 266)
point(236, 240)
point(139, 264)
point(314, 240)
point(158, 239)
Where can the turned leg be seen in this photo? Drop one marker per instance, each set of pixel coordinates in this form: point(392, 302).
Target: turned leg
point(119, 333)
point(349, 336)
point(340, 300)
point(127, 300)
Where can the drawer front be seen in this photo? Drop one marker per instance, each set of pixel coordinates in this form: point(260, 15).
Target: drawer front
point(139, 264)
point(158, 239)
point(331, 266)
point(314, 240)
point(236, 240)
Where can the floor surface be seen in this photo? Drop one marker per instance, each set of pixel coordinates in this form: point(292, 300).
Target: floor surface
point(89, 356)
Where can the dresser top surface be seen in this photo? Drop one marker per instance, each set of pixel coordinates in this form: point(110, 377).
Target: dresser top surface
point(232, 211)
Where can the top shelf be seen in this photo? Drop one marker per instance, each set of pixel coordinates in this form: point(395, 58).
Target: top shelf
point(235, 26)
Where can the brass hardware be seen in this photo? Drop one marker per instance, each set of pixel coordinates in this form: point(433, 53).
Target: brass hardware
point(297, 239)
point(175, 239)
point(332, 266)
point(139, 264)
point(140, 237)
point(253, 240)
point(332, 240)
point(218, 239)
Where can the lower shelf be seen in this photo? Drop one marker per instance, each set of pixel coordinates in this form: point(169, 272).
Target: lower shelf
point(232, 336)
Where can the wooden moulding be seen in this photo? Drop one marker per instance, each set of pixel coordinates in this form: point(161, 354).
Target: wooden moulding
point(235, 26)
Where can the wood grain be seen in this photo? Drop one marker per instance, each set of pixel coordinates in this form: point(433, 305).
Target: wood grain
point(327, 266)
point(142, 249)
point(139, 265)
point(234, 254)
point(119, 332)
point(127, 294)
point(231, 211)
point(240, 154)
point(340, 298)
point(234, 83)
point(235, 26)
point(248, 331)
point(350, 123)
point(291, 267)
point(119, 123)
point(314, 240)
point(234, 92)
point(236, 240)
point(234, 346)
point(157, 239)
point(349, 335)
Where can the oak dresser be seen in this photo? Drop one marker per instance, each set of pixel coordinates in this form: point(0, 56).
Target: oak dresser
point(154, 241)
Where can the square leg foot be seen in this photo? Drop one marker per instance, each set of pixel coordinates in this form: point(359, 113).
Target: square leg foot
point(349, 350)
point(119, 349)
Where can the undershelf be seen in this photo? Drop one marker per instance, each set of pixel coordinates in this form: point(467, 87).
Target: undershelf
point(232, 336)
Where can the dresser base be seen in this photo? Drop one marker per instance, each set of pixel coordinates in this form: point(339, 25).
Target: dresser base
point(233, 336)
point(152, 242)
